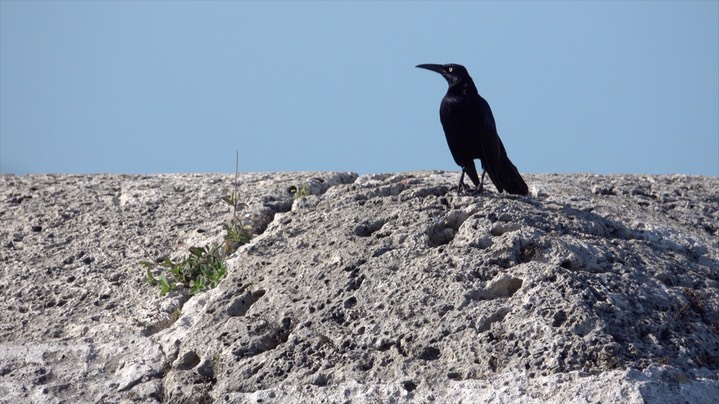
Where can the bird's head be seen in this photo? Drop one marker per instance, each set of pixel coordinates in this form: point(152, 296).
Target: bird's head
point(453, 73)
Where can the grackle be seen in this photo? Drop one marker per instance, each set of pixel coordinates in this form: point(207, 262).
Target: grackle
point(471, 133)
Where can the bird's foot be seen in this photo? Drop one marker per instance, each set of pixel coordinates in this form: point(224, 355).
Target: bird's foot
point(463, 189)
point(475, 191)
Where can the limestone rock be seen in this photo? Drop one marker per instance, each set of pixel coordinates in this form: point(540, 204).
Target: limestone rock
point(384, 287)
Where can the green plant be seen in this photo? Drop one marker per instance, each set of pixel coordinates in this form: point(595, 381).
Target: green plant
point(217, 363)
point(203, 269)
point(237, 232)
point(175, 315)
point(303, 191)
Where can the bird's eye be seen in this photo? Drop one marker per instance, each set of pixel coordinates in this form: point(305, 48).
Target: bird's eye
point(449, 69)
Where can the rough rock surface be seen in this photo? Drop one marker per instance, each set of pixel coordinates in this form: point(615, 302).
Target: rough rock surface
point(377, 288)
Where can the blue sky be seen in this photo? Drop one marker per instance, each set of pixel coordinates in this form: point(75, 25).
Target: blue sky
point(164, 86)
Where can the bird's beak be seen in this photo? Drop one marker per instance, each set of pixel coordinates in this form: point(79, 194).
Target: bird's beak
point(434, 68)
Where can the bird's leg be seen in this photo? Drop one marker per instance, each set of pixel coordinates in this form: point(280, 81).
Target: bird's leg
point(478, 190)
point(481, 182)
point(460, 186)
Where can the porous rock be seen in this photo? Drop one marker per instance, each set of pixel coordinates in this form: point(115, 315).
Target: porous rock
point(385, 288)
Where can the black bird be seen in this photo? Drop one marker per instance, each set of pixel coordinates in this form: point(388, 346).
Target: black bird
point(471, 133)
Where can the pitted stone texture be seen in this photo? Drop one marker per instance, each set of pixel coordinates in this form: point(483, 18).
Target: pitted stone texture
point(387, 287)
point(78, 321)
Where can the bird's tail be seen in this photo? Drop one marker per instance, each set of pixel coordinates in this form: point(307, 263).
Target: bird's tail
point(506, 178)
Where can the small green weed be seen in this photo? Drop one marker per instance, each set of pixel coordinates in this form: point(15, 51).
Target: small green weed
point(202, 270)
point(205, 267)
point(175, 315)
point(238, 232)
point(302, 191)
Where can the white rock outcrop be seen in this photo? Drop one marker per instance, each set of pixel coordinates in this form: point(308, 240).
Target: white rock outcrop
point(375, 288)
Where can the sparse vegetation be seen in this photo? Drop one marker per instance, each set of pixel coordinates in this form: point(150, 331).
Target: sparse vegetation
point(237, 231)
point(175, 315)
point(205, 267)
point(302, 191)
point(202, 270)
